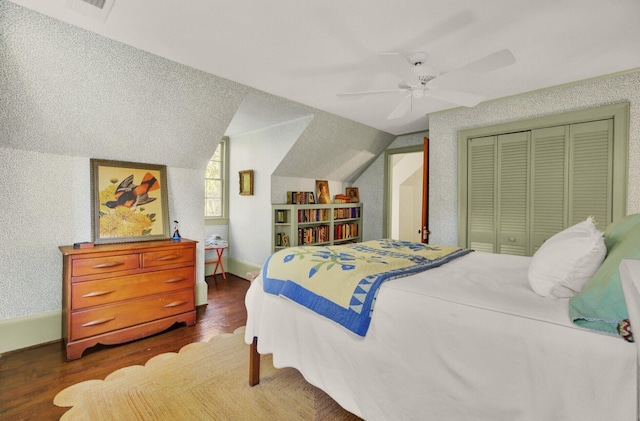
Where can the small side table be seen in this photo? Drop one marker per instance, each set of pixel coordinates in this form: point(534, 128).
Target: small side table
point(219, 248)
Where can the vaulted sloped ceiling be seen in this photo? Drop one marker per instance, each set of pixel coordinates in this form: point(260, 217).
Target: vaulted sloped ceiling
point(67, 91)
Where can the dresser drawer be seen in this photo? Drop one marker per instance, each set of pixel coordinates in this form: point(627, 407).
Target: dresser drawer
point(86, 323)
point(167, 257)
point(105, 291)
point(97, 265)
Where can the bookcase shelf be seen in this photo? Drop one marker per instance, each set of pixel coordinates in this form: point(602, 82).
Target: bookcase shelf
point(315, 224)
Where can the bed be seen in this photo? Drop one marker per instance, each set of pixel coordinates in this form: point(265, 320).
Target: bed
point(468, 339)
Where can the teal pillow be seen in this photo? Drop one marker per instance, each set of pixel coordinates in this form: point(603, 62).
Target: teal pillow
point(601, 305)
point(619, 228)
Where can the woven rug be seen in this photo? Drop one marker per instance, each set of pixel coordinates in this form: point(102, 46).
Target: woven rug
point(204, 381)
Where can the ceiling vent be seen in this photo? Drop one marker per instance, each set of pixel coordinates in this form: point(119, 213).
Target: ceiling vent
point(95, 9)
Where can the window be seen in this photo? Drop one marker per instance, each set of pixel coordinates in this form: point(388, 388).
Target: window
point(214, 187)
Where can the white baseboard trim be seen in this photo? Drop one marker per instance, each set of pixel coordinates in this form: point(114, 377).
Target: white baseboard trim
point(24, 332)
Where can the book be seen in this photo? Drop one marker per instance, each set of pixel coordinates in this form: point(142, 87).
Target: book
point(83, 245)
point(300, 198)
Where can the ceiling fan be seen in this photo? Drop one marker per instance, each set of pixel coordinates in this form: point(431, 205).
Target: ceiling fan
point(420, 80)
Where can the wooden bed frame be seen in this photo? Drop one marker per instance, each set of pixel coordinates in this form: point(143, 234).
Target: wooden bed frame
point(254, 363)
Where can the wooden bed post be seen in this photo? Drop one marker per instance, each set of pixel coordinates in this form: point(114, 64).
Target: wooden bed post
point(254, 363)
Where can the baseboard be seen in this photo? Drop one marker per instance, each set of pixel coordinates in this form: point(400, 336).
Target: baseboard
point(201, 293)
point(24, 332)
point(240, 268)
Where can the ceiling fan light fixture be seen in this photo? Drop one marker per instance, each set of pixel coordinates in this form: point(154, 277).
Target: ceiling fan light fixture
point(417, 77)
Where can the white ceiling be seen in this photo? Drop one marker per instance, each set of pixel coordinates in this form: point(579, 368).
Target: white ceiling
point(309, 51)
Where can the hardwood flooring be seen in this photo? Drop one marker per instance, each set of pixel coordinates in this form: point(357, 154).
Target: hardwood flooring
point(30, 378)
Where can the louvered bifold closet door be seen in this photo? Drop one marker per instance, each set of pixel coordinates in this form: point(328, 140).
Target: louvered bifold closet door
point(549, 183)
point(590, 183)
point(481, 194)
point(513, 193)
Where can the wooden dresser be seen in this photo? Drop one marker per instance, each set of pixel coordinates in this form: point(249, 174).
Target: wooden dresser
point(115, 293)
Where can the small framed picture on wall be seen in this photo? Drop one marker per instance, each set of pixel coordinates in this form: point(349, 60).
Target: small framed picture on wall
point(246, 183)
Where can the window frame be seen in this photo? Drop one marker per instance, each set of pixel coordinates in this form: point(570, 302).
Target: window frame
point(224, 160)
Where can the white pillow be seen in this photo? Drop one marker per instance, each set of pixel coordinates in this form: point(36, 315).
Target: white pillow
point(565, 262)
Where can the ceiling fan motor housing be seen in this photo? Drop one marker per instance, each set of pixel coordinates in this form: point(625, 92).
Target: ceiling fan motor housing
point(424, 72)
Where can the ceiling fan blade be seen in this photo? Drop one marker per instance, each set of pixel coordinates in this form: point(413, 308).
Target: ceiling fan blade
point(399, 65)
point(456, 97)
point(384, 91)
point(497, 60)
point(402, 108)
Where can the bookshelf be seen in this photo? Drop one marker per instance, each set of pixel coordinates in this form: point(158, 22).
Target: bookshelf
point(315, 224)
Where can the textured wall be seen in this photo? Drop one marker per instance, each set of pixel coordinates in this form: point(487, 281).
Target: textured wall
point(371, 187)
point(68, 95)
point(443, 140)
point(444, 129)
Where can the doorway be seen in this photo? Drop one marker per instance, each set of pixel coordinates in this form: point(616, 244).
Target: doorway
point(405, 184)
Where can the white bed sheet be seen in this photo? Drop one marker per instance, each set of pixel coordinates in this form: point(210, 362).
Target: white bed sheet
point(469, 340)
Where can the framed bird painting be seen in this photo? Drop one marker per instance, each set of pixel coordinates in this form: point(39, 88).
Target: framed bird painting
point(129, 202)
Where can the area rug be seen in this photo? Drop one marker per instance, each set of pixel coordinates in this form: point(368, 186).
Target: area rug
point(203, 381)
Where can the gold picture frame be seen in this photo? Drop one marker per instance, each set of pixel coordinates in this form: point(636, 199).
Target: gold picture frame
point(246, 183)
point(129, 202)
point(353, 193)
point(322, 192)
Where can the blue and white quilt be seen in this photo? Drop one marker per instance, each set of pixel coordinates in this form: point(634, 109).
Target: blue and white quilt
point(342, 282)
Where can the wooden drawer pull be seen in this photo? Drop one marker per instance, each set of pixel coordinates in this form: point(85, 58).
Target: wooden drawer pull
point(98, 322)
point(97, 293)
point(170, 257)
point(173, 280)
point(175, 304)
point(107, 265)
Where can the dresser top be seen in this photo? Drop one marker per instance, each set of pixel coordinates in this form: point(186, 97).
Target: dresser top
point(132, 246)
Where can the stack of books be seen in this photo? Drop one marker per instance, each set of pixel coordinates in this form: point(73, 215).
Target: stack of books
point(342, 198)
point(300, 198)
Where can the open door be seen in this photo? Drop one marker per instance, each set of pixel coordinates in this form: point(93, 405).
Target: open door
point(425, 192)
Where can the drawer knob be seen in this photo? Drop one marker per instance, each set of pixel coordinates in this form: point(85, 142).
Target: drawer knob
point(175, 304)
point(173, 280)
point(98, 322)
point(97, 293)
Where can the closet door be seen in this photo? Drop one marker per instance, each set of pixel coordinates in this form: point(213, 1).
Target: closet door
point(525, 187)
point(513, 194)
point(481, 197)
point(591, 172)
point(549, 183)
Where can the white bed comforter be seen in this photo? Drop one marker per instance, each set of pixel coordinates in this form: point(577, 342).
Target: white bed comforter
point(466, 341)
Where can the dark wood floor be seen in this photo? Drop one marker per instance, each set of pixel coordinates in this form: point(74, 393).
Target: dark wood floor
point(30, 378)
